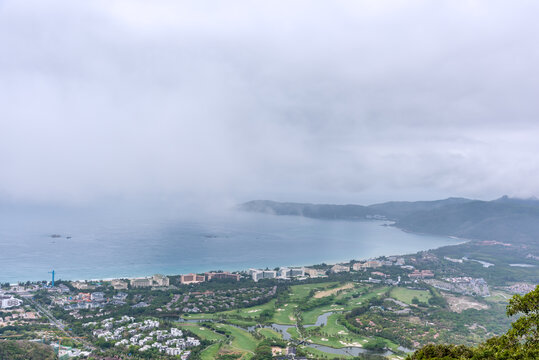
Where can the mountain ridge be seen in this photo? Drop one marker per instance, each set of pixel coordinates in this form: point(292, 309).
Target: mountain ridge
point(504, 219)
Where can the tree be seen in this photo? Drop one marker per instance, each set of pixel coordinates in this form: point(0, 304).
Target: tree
point(375, 345)
point(521, 341)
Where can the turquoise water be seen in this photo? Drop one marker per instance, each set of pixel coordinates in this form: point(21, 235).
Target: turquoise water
point(107, 247)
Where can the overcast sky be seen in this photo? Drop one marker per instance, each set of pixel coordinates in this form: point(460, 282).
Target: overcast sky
point(333, 101)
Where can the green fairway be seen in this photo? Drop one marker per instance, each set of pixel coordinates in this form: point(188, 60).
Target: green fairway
point(269, 333)
point(324, 355)
point(335, 335)
point(293, 332)
point(202, 332)
point(250, 312)
point(406, 295)
point(210, 352)
point(299, 292)
point(285, 314)
point(242, 340)
point(311, 316)
point(198, 316)
point(333, 327)
point(331, 341)
point(241, 322)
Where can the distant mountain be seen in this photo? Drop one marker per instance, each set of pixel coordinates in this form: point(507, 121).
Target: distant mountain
point(343, 212)
point(398, 209)
point(504, 219)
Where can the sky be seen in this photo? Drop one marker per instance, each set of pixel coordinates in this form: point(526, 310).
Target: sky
point(228, 101)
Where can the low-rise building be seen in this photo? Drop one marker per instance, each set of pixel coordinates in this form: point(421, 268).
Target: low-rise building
point(160, 280)
point(139, 283)
point(421, 274)
point(97, 296)
point(82, 285)
point(8, 301)
point(371, 264)
point(314, 272)
point(119, 284)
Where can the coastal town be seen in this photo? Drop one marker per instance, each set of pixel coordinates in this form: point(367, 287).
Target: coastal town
point(382, 307)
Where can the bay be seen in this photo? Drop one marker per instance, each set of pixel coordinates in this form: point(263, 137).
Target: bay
point(107, 247)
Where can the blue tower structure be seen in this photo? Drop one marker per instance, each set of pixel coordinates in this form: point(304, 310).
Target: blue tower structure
point(52, 272)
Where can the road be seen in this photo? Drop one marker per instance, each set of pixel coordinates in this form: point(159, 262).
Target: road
point(58, 323)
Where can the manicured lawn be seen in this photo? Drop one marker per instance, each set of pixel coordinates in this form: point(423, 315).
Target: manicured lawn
point(324, 355)
point(242, 323)
point(250, 312)
point(334, 328)
point(311, 316)
point(210, 352)
point(299, 292)
point(330, 341)
point(406, 295)
point(333, 333)
point(285, 314)
point(270, 333)
point(198, 316)
point(293, 332)
point(241, 339)
point(202, 332)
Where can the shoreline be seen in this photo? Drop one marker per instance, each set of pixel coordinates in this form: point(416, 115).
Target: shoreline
point(330, 262)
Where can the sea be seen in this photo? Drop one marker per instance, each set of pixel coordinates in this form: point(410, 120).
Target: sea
point(103, 247)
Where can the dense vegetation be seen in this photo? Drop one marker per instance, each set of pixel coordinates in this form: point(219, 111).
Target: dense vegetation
point(25, 350)
point(520, 342)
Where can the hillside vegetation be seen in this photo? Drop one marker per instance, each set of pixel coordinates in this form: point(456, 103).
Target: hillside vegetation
point(520, 342)
point(25, 350)
point(504, 219)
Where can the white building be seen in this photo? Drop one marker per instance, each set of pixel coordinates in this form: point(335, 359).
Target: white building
point(8, 301)
point(262, 274)
point(286, 272)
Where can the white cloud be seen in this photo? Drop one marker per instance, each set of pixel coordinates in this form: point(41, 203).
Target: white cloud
point(286, 99)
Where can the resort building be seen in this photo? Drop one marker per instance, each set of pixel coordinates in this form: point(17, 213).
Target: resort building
point(314, 272)
point(421, 274)
point(286, 272)
point(8, 301)
point(119, 284)
point(192, 278)
point(139, 283)
point(367, 265)
point(262, 274)
point(339, 268)
point(222, 275)
point(156, 280)
point(160, 280)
